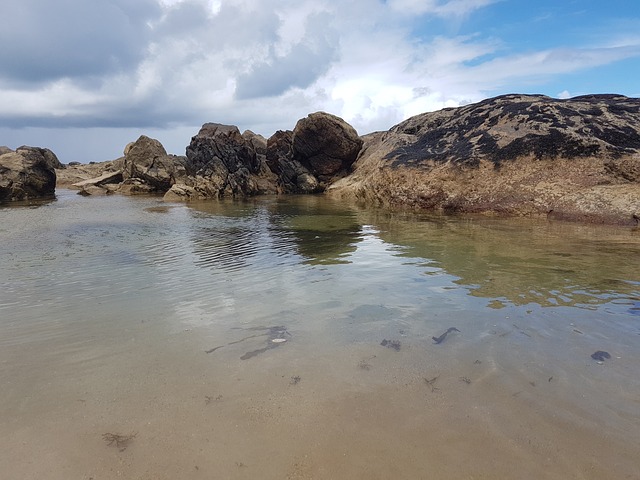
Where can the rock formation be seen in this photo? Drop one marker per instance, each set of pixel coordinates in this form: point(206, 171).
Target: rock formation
point(320, 150)
point(514, 154)
point(148, 167)
point(27, 174)
point(293, 177)
point(221, 162)
point(326, 145)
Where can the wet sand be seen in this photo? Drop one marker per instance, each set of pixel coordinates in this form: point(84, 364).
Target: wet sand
point(306, 410)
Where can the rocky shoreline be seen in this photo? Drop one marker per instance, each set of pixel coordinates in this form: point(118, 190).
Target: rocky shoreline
point(576, 159)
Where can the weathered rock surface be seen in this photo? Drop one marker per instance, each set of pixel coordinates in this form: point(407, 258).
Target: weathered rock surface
point(147, 161)
point(326, 145)
point(105, 178)
point(514, 154)
point(293, 177)
point(75, 172)
point(28, 173)
point(222, 162)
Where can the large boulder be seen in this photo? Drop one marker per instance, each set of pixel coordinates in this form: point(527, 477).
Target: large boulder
point(222, 162)
point(28, 173)
point(515, 154)
point(326, 145)
point(147, 162)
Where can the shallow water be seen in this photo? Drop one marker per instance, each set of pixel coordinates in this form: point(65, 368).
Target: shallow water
point(156, 322)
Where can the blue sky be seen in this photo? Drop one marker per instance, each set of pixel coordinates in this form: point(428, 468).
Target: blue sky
point(85, 78)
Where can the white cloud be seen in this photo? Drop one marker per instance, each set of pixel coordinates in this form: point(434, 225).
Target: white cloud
point(450, 8)
point(259, 64)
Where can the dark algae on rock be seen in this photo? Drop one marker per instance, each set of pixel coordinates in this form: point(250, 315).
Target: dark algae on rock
point(511, 126)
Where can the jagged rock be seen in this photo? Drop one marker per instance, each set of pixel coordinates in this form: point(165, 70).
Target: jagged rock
point(28, 173)
point(325, 145)
point(147, 160)
point(513, 154)
point(226, 163)
point(293, 177)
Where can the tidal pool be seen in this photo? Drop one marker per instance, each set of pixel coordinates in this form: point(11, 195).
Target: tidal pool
point(292, 338)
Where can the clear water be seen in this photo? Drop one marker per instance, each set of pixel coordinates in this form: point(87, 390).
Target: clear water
point(137, 341)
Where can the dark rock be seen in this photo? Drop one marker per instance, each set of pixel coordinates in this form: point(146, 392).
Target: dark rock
point(293, 177)
point(600, 356)
point(510, 126)
point(28, 173)
point(325, 145)
point(225, 160)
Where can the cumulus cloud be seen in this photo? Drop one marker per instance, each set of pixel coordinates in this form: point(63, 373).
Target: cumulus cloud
point(259, 64)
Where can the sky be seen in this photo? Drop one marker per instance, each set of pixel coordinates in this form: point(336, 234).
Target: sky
point(84, 78)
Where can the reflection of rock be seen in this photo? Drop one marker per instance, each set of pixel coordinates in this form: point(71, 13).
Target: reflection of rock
point(28, 173)
point(513, 154)
point(323, 233)
point(490, 258)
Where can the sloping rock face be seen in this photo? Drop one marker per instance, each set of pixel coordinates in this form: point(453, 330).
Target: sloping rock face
point(293, 177)
point(28, 173)
point(514, 154)
point(146, 162)
point(222, 162)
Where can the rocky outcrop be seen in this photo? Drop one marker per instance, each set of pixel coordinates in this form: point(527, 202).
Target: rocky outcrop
point(222, 162)
point(27, 174)
point(514, 154)
point(293, 177)
point(147, 163)
point(320, 149)
point(326, 145)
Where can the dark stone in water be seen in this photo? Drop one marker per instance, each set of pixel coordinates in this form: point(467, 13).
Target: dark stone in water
point(395, 344)
point(600, 355)
point(441, 338)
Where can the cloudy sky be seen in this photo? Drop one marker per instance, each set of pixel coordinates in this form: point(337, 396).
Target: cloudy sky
point(85, 77)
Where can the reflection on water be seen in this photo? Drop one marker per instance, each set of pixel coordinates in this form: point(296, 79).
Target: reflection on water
point(522, 260)
point(294, 338)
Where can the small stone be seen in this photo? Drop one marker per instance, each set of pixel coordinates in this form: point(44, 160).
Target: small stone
point(279, 340)
point(600, 356)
